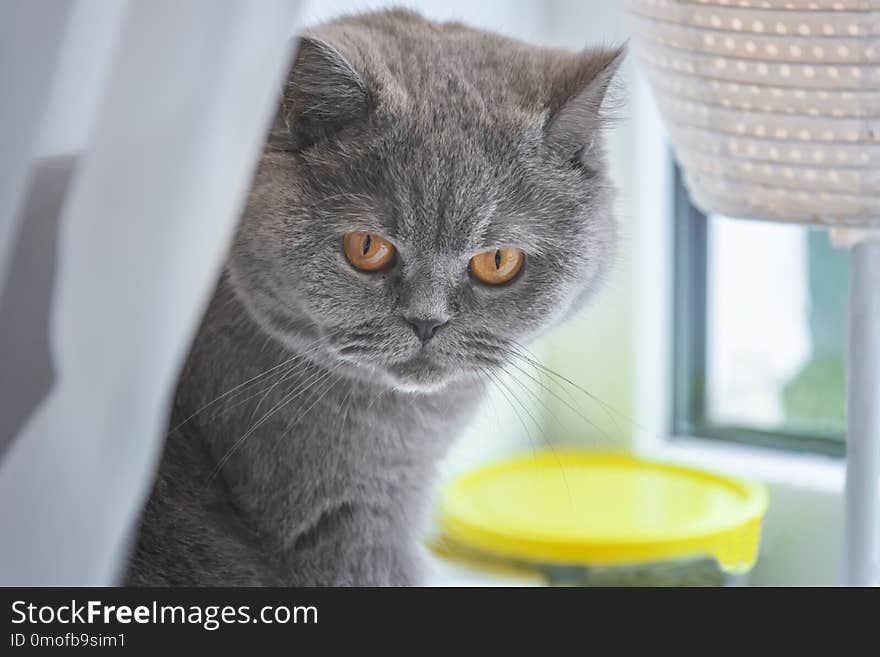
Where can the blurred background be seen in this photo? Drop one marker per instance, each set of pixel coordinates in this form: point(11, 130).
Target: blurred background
point(718, 342)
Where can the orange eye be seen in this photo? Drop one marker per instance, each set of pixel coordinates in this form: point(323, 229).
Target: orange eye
point(366, 251)
point(497, 266)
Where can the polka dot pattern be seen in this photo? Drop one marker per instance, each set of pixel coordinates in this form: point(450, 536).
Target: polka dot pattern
point(769, 98)
point(773, 106)
point(750, 120)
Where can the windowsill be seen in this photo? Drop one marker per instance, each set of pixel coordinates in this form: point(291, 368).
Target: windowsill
point(772, 466)
point(802, 540)
point(802, 537)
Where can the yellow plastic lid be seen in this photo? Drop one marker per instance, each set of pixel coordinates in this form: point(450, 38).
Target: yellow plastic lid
point(578, 507)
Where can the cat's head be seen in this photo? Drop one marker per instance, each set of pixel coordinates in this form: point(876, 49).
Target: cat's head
point(430, 196)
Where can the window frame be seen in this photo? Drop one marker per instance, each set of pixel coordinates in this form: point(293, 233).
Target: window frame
point(689, 364)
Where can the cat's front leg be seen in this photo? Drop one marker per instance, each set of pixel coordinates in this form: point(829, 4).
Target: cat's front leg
point(383, 565)
point(352, 545)
point(352, 564)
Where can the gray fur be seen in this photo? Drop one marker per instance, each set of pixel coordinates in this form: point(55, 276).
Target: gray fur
point(448, 141)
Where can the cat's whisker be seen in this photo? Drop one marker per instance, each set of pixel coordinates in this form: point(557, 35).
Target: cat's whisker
point(302, 414)
point(346, 405)
point(301, 389)
point(536, 397)
point(526, 354)
point(609, 409)
point(539, 426)
point(231, 391)
point(240, 388)
point(547, 442)
point(496, 382)
point(574, 409)
point(290, 371)
point(481, 379)
point(284, 376)
point(532, 360)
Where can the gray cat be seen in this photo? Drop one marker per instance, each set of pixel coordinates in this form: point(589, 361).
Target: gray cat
point(430, 198)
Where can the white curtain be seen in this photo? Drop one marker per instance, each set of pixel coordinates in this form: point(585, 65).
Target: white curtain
point(128, 134)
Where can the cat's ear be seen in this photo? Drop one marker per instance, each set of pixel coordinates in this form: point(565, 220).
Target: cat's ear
point(578, 108)
point(324, 93)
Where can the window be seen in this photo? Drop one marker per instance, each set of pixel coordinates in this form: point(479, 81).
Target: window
point(760, 331)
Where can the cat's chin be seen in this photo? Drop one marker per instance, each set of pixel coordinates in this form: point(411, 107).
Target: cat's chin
point(419, 376)
point(418, 387)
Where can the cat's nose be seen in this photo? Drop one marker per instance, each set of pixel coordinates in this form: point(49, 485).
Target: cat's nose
point(425, 328)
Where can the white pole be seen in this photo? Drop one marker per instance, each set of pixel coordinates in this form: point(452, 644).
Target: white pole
point(863, 411)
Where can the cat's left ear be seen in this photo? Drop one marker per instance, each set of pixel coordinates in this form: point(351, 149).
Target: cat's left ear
point(578, 109)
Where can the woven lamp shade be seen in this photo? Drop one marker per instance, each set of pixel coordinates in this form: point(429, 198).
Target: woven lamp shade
point(772, 106)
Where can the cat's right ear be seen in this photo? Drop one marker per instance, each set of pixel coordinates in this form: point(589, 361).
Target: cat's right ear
point(323, 94)
point(578, 110)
